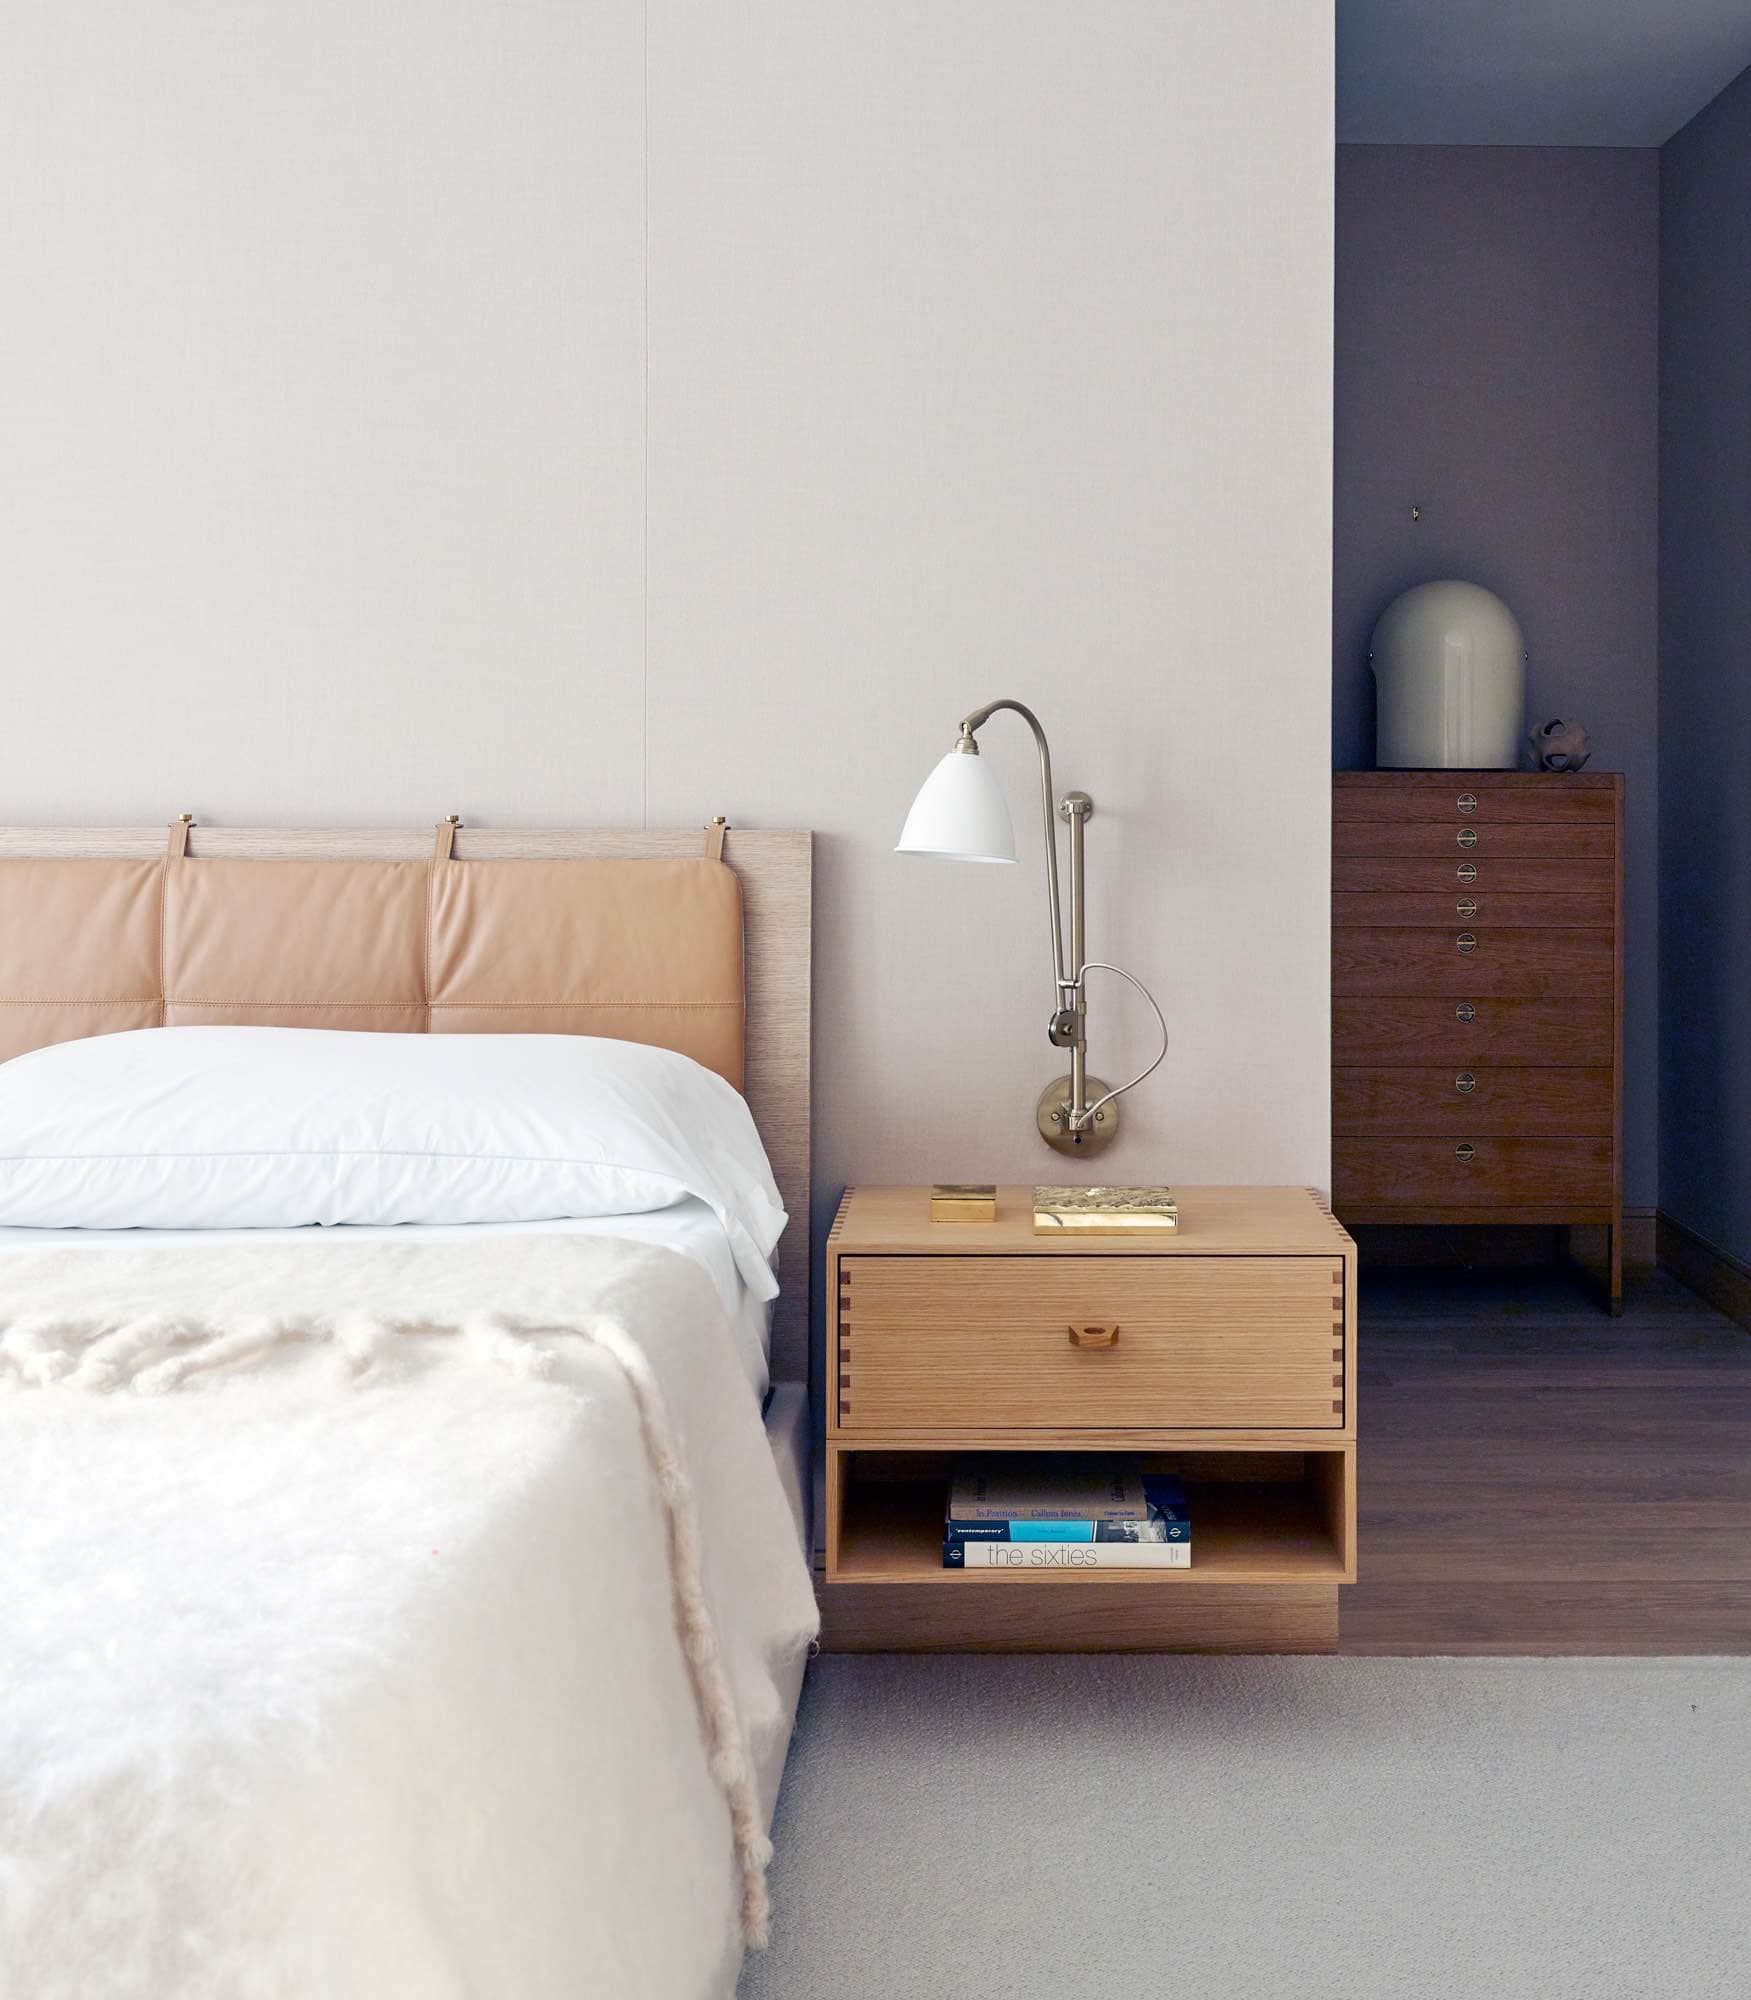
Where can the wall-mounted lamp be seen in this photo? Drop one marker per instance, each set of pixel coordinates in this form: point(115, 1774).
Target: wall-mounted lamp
point(960, 814)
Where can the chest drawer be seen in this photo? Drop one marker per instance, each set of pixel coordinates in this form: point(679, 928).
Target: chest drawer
point(985, 1343)
point(1465, 1103)
point(1465, 903)
point(1445, 1175)
point(1466, 1032)
point(1474, 799)
point(1464, 874)
point(1464, 960)
point(1520, 840)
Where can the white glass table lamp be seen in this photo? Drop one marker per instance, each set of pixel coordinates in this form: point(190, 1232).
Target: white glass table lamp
point(960, 814)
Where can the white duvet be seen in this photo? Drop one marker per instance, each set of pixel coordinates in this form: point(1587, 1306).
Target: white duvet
point(349, 1659)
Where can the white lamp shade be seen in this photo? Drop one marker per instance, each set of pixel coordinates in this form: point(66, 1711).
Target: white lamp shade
point(959, 812)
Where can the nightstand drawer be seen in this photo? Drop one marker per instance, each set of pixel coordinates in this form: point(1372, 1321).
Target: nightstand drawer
point(974, 1343)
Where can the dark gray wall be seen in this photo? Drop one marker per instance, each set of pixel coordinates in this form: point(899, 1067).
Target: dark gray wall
point(1705, 671)
point(1498, 365)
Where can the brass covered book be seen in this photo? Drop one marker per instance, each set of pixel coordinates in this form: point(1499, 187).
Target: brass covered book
point(1103, 1211)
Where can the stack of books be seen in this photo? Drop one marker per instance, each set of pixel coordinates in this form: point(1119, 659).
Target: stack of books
point(1048, 1513)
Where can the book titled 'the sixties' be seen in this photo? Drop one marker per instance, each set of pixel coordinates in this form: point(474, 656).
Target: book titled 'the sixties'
point(1043, 1514)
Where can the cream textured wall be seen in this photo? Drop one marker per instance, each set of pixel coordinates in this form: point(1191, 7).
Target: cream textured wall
point(559, 414)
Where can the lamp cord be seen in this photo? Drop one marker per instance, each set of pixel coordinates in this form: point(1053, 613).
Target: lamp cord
point(1101, 965)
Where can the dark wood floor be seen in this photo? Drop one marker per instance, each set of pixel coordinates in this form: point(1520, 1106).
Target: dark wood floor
point(1539, 1478)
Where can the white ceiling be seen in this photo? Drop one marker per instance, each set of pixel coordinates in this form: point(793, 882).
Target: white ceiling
point(1533, 72)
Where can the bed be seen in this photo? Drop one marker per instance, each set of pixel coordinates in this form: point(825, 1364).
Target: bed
point(416, 1606)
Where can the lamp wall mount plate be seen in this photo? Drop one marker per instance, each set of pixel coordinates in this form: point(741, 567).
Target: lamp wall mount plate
point(1052, 1114)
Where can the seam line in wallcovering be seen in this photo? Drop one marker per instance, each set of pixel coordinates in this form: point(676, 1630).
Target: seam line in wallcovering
point(645, 608)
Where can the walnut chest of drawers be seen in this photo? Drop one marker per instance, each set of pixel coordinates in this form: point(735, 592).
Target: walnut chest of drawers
point(1224, 1351)
point(1477, 999)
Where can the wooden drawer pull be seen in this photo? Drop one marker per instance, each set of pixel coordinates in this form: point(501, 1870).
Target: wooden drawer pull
point(1094, 1336)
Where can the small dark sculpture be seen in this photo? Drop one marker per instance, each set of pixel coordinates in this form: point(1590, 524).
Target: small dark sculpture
point(1560, 746)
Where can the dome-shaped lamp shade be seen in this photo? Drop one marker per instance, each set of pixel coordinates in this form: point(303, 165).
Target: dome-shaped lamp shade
point(959, 813)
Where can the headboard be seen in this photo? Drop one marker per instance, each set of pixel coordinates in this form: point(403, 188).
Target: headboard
point(387, 929)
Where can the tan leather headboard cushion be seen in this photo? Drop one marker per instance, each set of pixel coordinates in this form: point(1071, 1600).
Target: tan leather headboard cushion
point(645, 951)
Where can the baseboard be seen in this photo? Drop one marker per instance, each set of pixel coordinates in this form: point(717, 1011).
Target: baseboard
point(1710, 1273)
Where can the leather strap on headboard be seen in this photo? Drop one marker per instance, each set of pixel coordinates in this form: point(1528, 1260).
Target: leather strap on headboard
point(645, 951)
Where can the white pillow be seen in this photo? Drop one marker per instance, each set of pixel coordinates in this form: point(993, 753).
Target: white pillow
point(261, 1128)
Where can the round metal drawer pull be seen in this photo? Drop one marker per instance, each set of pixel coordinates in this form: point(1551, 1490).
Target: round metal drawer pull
point(1465, 1011)
point(1467, 836)
point(1467, 802)
point(1465, 941)
point(1466, 907)
point(1465, 1150)
point(1465, 1083)
point(1468, 871)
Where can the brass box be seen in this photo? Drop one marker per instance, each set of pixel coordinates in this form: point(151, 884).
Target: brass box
point(963, 1201)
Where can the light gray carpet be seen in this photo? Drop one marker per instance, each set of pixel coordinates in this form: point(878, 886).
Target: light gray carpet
point(1258, 1829)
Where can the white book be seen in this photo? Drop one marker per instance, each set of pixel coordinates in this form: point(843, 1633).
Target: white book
point(1078, 1555)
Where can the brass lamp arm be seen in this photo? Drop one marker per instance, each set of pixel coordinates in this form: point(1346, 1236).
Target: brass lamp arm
point(1062, 983)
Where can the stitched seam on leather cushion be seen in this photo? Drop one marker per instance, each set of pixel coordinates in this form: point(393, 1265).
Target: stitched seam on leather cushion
point(566, 1006)
point(405, 1006)
point(362, 1153)
point(120, 1000)
point(191, 1000)
point(163, 922)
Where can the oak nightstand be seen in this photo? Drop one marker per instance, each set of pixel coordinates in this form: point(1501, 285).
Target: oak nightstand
point(1224, 1350)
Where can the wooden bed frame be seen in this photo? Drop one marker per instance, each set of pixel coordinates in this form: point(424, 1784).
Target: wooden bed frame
point(775, 871)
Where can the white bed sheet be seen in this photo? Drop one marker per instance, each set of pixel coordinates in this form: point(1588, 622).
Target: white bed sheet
point(687, 1226)
point(790, 1441)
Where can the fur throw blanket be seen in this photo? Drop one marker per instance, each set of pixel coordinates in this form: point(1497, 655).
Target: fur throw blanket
point(218, 1468)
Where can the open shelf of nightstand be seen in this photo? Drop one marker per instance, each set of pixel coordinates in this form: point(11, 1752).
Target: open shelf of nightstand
point(1288, 1526)
point(1223, 1352)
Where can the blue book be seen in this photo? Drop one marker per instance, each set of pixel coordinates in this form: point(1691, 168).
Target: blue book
point(1019, 1531)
